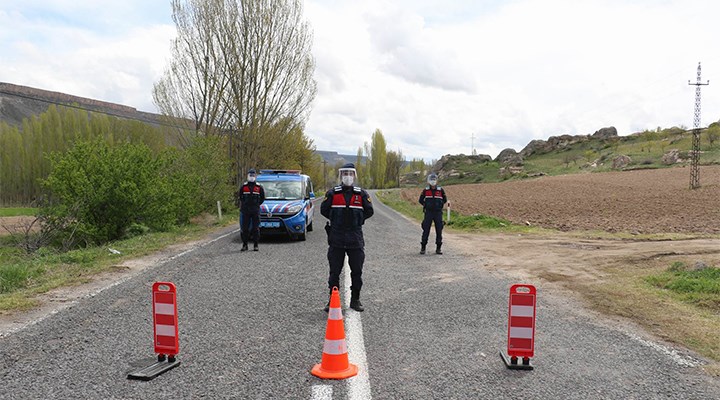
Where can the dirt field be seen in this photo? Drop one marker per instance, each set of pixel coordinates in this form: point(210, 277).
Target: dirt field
point(19, 224)
point(645, 201)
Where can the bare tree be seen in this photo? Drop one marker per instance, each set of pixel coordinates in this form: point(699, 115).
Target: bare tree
point(242, 68)
point(194, 84)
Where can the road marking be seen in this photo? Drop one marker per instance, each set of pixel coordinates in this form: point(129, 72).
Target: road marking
point(678, 358)
point(321, 392)
point(359, 385)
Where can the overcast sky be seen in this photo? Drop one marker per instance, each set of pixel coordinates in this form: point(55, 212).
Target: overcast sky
point(429, 74)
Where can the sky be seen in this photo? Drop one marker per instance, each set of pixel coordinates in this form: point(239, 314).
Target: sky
point(436, 77)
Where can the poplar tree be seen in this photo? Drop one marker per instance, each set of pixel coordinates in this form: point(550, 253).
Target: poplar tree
point(240, 68)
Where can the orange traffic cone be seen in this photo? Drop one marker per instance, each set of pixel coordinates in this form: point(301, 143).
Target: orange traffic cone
point(335, 364)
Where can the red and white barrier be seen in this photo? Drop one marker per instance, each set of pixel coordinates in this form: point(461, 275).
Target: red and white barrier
point(165, 332)
point(521, 326)
point(165, 319)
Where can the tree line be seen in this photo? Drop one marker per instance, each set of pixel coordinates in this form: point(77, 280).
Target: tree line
point(25, 150)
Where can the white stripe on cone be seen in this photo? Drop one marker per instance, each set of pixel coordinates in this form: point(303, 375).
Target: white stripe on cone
point(335, 347)
point(335, 314)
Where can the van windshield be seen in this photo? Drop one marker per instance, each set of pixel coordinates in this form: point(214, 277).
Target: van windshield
point(279, 190)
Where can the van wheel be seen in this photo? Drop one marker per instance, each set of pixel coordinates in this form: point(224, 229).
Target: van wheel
point(310, 227)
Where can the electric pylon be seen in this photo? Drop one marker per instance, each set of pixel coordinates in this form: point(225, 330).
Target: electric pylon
point(695, 157)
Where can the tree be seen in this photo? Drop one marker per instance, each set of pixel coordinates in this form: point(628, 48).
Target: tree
point(377, 163)
point(395, 161)
point(360, 168)
point(241, 68)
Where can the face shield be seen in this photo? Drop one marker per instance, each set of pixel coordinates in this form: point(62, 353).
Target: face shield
point(432, 180)
point(347, 176)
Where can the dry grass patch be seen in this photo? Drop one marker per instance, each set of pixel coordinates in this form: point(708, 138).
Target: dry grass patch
point(625, 292)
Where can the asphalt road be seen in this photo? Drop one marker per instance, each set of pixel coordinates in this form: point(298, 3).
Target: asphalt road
point(252, 326)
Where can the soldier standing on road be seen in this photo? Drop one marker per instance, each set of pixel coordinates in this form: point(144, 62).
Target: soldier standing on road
point(347, 207)
point(250, 195)
point(433, 199)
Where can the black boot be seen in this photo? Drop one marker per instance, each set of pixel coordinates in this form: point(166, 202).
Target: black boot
point(437, 249)
point(255, 247)
point(422, 248)
point(244, 248)
point(327, 306)
point(355, 303)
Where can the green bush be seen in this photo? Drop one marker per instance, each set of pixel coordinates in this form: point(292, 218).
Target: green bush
point(99, 190)
point(136, 230)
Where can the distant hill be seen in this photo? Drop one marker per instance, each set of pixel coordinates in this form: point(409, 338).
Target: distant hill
point(333, 158)
point(20, 102)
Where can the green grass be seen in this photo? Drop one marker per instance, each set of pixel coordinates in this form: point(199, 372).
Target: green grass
point(475, 222)
point(698, 287)
point(24, 276)
point(17, 211)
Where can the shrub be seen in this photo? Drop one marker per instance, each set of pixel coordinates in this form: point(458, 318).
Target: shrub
point(101, 190)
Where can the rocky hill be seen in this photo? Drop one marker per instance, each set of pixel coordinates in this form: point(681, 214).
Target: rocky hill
point(20, 102)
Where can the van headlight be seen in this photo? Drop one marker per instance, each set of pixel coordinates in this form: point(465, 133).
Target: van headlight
point(295, 209)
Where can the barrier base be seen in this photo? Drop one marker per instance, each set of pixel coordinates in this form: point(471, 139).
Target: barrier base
point(515, 362)
point(151, 371)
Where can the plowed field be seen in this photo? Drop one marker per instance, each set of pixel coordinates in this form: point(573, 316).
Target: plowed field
point(642, 201)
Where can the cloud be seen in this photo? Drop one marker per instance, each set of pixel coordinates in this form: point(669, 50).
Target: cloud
point(48, 48)
point(410, 50)
point(430, 74)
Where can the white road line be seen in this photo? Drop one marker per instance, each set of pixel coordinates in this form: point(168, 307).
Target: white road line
point(321, 392)
point(678, 358)
point(359, 385)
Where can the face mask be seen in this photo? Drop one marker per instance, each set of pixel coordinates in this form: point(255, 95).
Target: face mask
point(432, 182)
point(251, 178)
point(347, 180)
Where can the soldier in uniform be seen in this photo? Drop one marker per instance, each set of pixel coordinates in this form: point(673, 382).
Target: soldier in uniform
point(433, 199)
point(347, 207)
point(250, 195)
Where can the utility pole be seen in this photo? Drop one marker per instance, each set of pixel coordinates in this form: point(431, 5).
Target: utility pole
point(695, 158)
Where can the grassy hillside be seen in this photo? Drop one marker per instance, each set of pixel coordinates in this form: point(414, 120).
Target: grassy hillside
point(646, 150)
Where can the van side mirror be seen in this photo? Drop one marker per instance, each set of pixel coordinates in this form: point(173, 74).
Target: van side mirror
point(312, 195)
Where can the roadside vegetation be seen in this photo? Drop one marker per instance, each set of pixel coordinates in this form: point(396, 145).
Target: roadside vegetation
point(699, 286)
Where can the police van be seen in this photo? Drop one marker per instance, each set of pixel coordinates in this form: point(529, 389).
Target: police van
point(288, 207)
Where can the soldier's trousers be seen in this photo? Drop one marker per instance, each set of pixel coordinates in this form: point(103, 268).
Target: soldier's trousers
point(249, 227)
point(430, 217)
point(336, 258)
